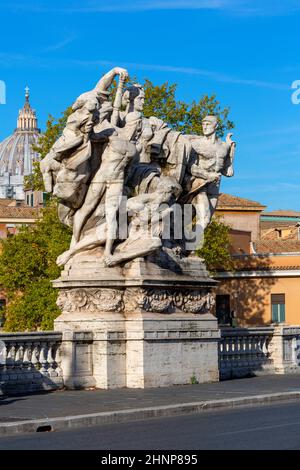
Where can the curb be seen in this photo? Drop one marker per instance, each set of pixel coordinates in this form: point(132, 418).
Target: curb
point(123, 416)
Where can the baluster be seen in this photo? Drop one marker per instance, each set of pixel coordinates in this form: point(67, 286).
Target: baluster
point(19, 356)
point(27, 356)
point(233, 351)
point(35, 357)
point(10, 359)
point(3, 358)
point(227, 351)
point(240, 348)
point(245, 350)
point(57, 359)
point(258, 350)
point(253, 351)
point(264, 345)
point(43, 359)
point(51, 361)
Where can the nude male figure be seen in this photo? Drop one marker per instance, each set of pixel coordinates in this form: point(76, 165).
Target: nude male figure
point(214, 159)
point(108, 180)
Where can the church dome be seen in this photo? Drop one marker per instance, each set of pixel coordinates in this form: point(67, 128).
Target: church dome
point(16, 153)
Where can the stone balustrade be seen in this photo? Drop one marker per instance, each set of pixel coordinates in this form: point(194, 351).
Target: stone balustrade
point(39, 361)
point(245, 351)
point(30, 362)
point(285, 349)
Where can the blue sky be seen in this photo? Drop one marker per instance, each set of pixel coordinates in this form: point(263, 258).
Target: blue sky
point(246, 52)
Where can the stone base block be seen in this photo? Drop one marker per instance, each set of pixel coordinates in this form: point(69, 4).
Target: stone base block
point(173, 351)
point(143, 327)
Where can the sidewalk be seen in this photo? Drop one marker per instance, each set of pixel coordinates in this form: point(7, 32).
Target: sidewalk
point(66, 409)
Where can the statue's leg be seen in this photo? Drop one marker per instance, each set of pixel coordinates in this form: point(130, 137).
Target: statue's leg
point(213, 200)
point(112, 203)
point(194, 238)
point(92, 240)
point(140, 249)
point(203, 210)
point(92, 198)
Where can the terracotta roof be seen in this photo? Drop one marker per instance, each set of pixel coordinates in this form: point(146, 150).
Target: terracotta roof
point(233, 202)
point(18, 212)
point(11, 202)
point(268, 224)
point(281, 213)
point(268, 268)
point(277, 246)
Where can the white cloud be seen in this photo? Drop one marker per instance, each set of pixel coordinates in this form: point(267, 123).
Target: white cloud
point(60, 45)
point(119, 6)
point(240, 7)
point(215, 76)
point(17, 59)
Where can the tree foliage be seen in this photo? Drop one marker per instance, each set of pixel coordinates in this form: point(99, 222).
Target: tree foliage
point(160, 101)
point(27, 266)
point(215, 249)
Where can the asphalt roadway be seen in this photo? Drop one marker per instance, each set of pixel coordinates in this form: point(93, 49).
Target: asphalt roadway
point(273, 427)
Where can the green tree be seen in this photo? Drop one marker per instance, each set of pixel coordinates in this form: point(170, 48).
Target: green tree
point(216, 247)
point(160, 101)
point(27, 266)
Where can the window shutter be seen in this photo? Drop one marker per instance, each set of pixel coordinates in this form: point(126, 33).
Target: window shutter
point(278, 298)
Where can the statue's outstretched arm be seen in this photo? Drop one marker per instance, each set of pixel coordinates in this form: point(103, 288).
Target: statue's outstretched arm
point(107, 79)
point(228, 167)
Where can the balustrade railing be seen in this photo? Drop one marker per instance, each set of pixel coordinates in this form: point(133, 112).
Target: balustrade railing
point(244, 351)
point(30, 361)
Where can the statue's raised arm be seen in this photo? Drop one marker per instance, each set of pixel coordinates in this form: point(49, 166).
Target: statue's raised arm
point(100, 92)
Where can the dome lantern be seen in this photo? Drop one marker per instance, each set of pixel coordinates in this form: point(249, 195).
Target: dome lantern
point(27, 120)
point(16, 153)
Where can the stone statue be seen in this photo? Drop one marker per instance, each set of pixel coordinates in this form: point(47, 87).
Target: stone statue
point(137, 304)
point(214, 158)
point(109, 151)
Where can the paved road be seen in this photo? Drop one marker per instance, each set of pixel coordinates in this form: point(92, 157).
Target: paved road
point(63, 403)
point(270, 427)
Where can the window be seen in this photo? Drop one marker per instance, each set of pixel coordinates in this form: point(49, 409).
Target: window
point(223, 309)
point(278, 308)
point(45, 198)
point(31, 200)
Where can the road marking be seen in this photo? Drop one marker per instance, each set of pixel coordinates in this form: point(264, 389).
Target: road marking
point(262, 428)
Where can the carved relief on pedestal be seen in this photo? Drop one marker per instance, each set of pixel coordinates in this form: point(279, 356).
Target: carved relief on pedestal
point(168, 301)
point(91, 300)
point(135, 299)
point(194, 301)
point(159, 300)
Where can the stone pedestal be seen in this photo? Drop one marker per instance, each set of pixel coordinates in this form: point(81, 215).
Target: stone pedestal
point(137, 326)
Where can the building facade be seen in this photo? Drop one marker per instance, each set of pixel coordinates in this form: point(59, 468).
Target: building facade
point(264, 287)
